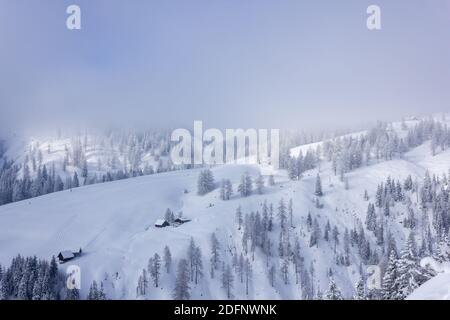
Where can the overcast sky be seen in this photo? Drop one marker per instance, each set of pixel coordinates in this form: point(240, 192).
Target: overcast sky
point(230, 63)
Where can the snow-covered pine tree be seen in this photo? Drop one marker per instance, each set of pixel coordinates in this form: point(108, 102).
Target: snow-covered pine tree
point(282, 214)
point(327, 230)
point(366, 195)
point(315, 234)
point(410, 274)
point(371, 218)
point(239, 218)
point(93, 291)
point(291, 213)
point(154, 269)
point(248, 274)
point(389, 287)
point(228, 189)
point(227, 281)
point(75, 182)
point(245, 188)
point(182, 289)
point(272, 275)
point(215, 254)
point(360, 290)
point(167, 259)
point(259, 183)
point(72, 294)
point(222, 190)
point(333, 292)
point(198, 264)
point(169, 216)
point(284, 271)
point(318, 188)
point(205, 182)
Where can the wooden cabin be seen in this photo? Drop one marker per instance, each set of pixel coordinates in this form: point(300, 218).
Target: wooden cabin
point(181, 220)
point(161, 223)
point(65, 256)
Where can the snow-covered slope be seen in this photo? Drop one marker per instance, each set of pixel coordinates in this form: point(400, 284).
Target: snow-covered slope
point(101, 152)
point(438, 287)
point(114, 225)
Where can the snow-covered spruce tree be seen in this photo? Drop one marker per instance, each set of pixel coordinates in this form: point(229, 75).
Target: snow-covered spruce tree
point(248, 274)
point(386, 209)
point(142, 286)
point(239, 218)
point(93, 292)
point(75, 182)
point(309, 221)
point(442, 252)
point(335, 237)
point(408, 184)
point(154, 269)
point(182, 289)
point(366, 196)
point(389, 289)
point(265, 216)
point(84, 171)
point(228, 189)
point(4, 291)
point(371, 218)
point(205, 182)
point(169, 216)
point(291, 213)
point(259, 184)
point(222, 190)
point(72, 294)
point(284, 271)
point(101, 293)
point(240, 267)
point(292, 169)
point(198, 264)
point(282, 214)
point(270, 223)
point(272, 275)
point(227, 281)
point(410, 274)
point(245, 188)
point(333, 292)
point(360, 290)
point(191, 258)
point(318, 189)
point(195, 261)
point(297, 260)
point(167, 259)
point(315, 234)
point(326, 232)
point(215, 254)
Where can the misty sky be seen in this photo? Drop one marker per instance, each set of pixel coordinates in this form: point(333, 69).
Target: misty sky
point(230, 63)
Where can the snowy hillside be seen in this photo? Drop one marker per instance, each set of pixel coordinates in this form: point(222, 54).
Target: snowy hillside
point(114, 225)
point(438, 287)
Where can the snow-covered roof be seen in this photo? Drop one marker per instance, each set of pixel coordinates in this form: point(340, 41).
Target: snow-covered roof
point(183, 219)
point(160, 222)
point(67, 254)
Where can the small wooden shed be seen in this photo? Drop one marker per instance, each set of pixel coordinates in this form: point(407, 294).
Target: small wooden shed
point(161, 223)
